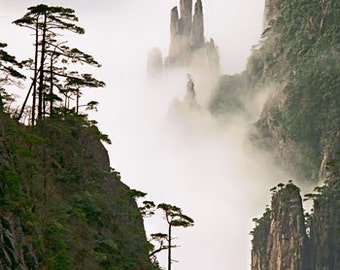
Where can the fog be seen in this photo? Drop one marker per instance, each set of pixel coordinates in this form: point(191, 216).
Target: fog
point(179, 156)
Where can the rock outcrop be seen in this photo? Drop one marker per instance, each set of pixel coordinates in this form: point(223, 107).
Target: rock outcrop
point(284, 238)
point(270, 12)
point(187, 42)
point(16, 249)
point(280, 238)
point(325, 225)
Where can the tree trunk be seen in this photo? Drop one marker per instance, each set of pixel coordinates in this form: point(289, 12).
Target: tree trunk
point(169, 248)
point(35, 70)
point(42, 60)
point(51, 86)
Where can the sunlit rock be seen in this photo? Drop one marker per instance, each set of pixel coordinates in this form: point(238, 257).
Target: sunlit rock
point(280, 239)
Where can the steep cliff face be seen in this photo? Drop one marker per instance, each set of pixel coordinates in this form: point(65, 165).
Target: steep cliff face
point(280, 238)
point(325, 224)
point(270, 12)
point(287, 234)
point(18, 250)
point(62, 206)
point(284, 238)
point(297, 59)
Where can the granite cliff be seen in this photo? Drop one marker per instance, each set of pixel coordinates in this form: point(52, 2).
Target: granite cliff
point(287, 238)
point(280, 237)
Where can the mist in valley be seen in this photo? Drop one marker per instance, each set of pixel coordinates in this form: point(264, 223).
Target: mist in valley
point(177, 155)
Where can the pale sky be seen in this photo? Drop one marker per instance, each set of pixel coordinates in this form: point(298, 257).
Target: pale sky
point(185, 159)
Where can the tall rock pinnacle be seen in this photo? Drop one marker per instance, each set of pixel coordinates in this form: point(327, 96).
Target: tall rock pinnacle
point(187, 38)
point(198, 26)
point(186, 17)
point(280, 239)
point(174, 23)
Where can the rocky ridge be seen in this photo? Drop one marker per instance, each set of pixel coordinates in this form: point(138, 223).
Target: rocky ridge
point(187, 41)
point(188, 47)
point(287, 238)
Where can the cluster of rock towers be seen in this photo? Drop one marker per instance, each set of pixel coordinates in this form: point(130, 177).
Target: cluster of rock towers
point(187, 42)
point(186, 31)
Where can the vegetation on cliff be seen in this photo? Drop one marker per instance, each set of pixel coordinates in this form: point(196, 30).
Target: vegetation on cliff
point(286, 237)
point(74, 211)
point(61, 204)
point(298, 59)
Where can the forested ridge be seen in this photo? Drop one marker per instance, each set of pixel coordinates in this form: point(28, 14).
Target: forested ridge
point(297, 59)
point(62, 206)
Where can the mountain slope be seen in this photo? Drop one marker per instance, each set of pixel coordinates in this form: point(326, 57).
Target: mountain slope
point(62, 206)
point(298, 60)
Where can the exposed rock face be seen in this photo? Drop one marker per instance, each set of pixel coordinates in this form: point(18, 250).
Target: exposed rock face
point(16, 247)
point(325, 227)
point(280, 241)
point(187, 38)
point(270, 12)
point(198, 26)
point(190, 97)
point(287, 235)
point(185, 22)
point(16, 250)
point(300, 122)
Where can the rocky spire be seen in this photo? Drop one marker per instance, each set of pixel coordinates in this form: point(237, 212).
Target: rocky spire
point(174, 23)
point(188, 46)
point(280, 238)
point(186, 17)
point(198, 26)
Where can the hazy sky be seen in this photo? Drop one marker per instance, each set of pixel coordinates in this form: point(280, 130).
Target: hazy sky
point(177, 156)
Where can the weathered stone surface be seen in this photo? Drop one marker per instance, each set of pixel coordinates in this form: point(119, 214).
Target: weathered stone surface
point(280, 239)
point(16, 252)
point(270, 12)
point(186, 17)
point(325, 226)
point(188, 47)
point(179, 42)
point(198, 26)
point(287, 235)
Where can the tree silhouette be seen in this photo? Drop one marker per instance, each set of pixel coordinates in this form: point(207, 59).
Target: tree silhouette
point(175, 218)
point(9, 73)
point(52, 58)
